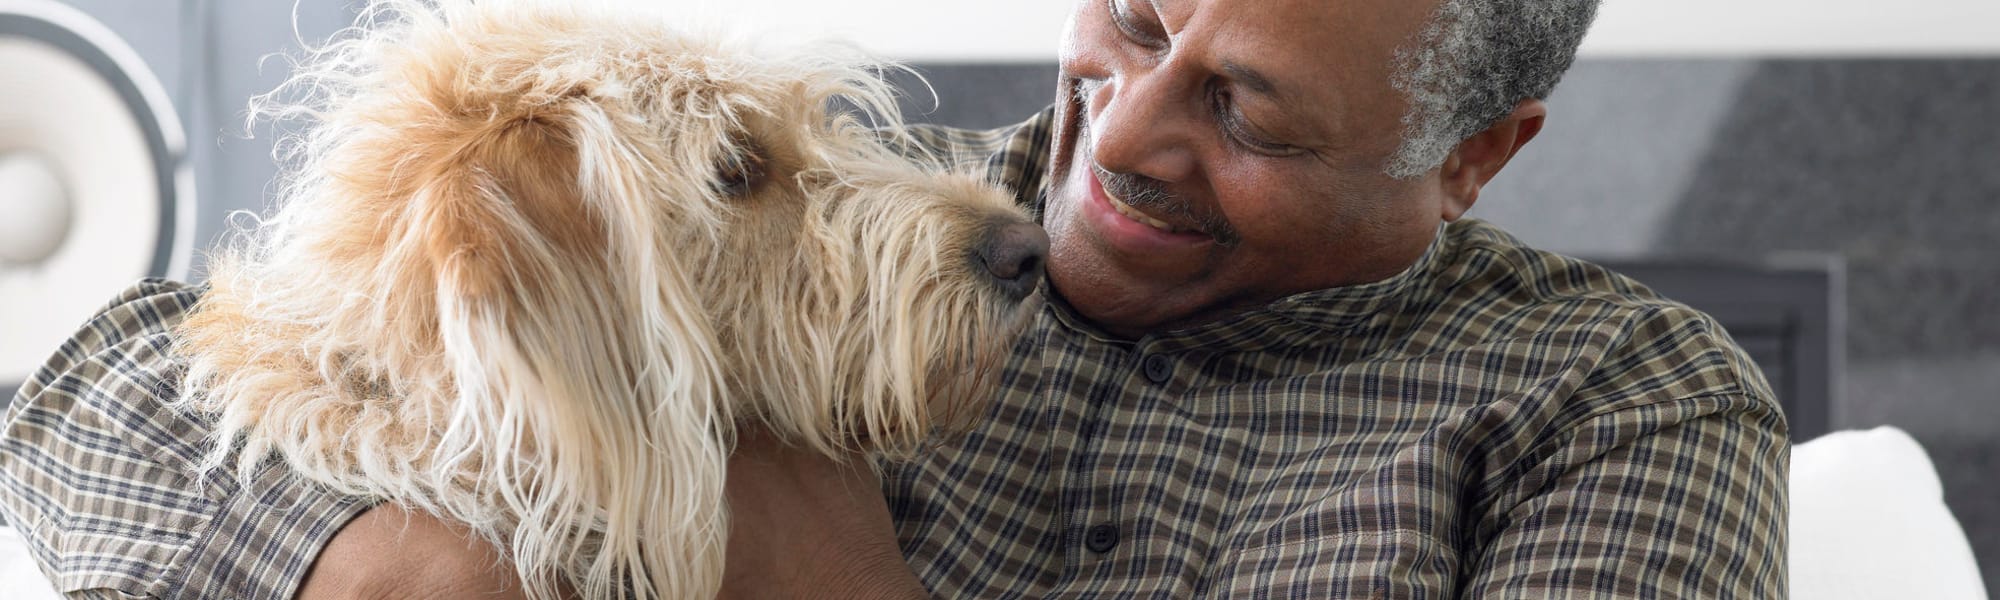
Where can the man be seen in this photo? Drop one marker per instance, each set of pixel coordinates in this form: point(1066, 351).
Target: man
point(1273, 364)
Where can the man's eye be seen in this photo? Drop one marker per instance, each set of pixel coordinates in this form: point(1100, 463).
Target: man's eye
point(1239, 128)
point(1121, 15)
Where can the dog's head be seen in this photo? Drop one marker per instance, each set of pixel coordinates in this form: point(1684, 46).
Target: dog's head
point(553, 256)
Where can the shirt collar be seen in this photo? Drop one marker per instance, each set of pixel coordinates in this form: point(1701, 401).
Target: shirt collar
point(1332, 311)
point(1305, 319)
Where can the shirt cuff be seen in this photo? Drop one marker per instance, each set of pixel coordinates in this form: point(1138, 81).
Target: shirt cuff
point(263, 540)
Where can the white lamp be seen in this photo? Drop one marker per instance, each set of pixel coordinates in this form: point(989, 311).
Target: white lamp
point(95, 191)
point(37, 210)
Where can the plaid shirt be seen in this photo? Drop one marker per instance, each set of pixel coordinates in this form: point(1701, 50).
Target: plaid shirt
point(1493, 422)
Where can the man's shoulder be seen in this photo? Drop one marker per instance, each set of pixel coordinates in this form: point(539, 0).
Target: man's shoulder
point(149, 306)
point(1488, 258)
point(143, 314)
point(1639, 346)
point(959, 145)
point(1014, 156)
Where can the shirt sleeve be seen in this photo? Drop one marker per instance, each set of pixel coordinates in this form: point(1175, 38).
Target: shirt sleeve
point(1679, 499)
point(1684, 499)
point(1012, 157)
point(97, 474)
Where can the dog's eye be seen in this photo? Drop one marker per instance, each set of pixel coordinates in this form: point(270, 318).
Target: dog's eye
point(740, 169)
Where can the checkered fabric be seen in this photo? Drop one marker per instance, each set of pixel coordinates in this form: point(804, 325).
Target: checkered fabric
point(1495, 422)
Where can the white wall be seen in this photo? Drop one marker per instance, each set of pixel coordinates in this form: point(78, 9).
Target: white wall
point(965, 30)
point(934, 30)
point(1796, 27)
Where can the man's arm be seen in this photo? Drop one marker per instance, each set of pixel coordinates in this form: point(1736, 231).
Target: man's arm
point(807, 526)
point(1646, 502)
point(1680, 499)
point(97, 472)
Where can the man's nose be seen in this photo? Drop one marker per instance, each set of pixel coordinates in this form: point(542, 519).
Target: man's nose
point(1140, 127)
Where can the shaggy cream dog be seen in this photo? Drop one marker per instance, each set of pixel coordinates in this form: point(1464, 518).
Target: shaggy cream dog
point(534, 264)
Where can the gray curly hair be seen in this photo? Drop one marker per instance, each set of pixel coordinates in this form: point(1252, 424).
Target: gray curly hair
point(1475, 60)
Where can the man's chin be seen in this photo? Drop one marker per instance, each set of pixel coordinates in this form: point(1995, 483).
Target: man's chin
point(1113, 296)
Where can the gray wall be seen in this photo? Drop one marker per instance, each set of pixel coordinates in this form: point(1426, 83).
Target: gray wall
point(213, 55)
point(1893, 165)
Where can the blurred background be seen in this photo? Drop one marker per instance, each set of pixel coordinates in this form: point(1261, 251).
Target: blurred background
point(1857, 140)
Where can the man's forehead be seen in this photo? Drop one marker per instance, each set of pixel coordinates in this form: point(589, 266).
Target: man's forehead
point(1317, 31)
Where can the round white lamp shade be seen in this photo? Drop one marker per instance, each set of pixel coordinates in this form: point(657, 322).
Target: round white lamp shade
point(94, 187)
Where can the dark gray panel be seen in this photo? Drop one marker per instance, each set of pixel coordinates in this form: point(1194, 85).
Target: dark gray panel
point(979, 96)
point(1894, 165)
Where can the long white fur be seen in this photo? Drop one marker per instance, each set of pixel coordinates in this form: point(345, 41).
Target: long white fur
point(406, 326)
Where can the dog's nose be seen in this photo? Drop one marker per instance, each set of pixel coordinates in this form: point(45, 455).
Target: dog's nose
point(1014, 255)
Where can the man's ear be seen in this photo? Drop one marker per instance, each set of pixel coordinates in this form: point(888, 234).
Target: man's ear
point(1480, 157)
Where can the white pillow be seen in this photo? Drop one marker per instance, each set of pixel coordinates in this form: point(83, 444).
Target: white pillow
point(1869, 521)
point(18, 573)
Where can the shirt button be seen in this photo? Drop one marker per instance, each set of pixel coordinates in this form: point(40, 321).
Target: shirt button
point(1102, 538)
point(1159, 369)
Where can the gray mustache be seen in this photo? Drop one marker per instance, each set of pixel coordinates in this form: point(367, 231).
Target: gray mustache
point(1139, 191)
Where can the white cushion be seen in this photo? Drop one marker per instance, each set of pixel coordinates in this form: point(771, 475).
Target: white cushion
point(18, 574)
point(1869, 521)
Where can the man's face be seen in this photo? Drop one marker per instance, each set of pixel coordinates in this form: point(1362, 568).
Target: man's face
point(1215, 155)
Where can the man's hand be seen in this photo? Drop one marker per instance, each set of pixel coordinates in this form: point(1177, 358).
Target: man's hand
point(806, 526)
point(388, 552)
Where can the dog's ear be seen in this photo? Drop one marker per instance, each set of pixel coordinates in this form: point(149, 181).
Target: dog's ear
point(580, 354)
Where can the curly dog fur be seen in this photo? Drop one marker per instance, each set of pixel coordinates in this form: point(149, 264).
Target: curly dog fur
point(533, 264)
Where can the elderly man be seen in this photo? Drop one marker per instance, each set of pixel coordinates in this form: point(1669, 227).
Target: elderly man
point(1275, 362)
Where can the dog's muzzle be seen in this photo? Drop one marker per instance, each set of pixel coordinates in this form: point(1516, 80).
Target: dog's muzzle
point(1014, 255)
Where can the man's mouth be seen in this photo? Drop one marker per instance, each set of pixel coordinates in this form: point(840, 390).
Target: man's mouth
point(1134, 214)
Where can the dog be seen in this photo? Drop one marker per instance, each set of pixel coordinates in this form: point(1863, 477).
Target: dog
point(533, 264)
